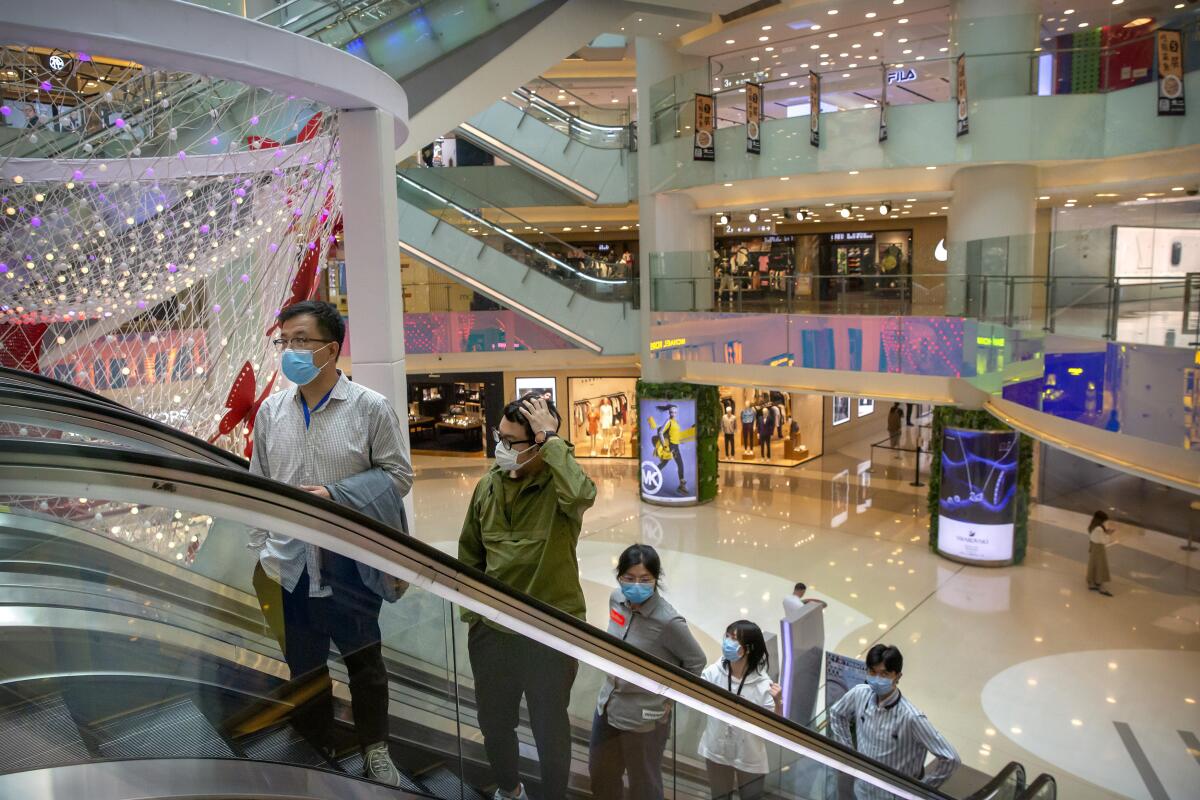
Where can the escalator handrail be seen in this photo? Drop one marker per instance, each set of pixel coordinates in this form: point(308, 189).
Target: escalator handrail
point(1035, 790)
point(69, 399)
point(500, 230)
point(566, 116)
point(990, 789)
point(262, 503)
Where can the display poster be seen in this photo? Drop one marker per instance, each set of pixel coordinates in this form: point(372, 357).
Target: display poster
point(865, 406)
point(545, 387)
point(964, 124)
point(977, 504)
point(754, 118)
point(883, 103)
point(814, 109)
point(668, 447)
point(703, 144)
point(842, 673)
point(841, 409)
point(1170, 74)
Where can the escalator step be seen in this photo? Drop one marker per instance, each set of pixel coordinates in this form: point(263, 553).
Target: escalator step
point(173, 729)
point(283, 744)
point(443, 783)
point(354, 765)
point(39, 733)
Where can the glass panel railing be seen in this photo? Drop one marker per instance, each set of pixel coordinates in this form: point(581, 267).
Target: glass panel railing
point(612, 280)
point(148, 629)
point(1008, 784)
point(602, 128)
point(614, 115)
point(331, 22)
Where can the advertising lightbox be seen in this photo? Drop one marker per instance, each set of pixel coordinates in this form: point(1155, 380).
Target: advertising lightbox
point(668, 450)
point(977, 503)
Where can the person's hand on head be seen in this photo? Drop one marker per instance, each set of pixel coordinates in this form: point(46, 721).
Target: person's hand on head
point(538, 415)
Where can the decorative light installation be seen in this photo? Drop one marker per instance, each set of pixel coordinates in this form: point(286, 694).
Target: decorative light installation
point(150, 230)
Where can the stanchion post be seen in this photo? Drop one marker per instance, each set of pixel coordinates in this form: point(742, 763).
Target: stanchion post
point(917, 477)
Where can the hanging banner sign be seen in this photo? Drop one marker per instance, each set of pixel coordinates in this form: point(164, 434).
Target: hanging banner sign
point(883, 132)
point(964, 125)
point(754, 118)
point(814, 109)
point(703, 144)
point(1170, 74)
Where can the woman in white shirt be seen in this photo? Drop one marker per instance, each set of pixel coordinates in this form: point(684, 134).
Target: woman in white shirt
point(734, 758)
point(1099, 538)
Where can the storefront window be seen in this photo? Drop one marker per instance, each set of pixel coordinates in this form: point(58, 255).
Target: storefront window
point(450, 414)
point(770, 427)
point(603, 420)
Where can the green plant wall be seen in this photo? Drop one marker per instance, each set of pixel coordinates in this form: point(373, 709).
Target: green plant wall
point(708, 426)
point(979, 420)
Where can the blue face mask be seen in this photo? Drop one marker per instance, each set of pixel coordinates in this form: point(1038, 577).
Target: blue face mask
point(298, 367)
point(637, 593)
point(881, 686)
point(730, 650)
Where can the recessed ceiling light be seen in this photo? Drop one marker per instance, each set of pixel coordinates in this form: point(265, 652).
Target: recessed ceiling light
point(815, 28)
point(1176, 188)
point(931, 168)
point(832, 11)
point(730, 41)
point(920, 58)
point(1058, 30)
point(910, 199)
point(1106, 194)
point(842, 55)
point(752, 58)
point(1117, 2)
point(1178, 6)
point(845, 74)
point(766, 27)
point(943, 49)
point(769, 49)
point(764, 38)
point(1083, 24)
point(1133, 23)
point(1044, 197)
point(814, 47)
point(902, 41)
point(897, 2)
point(833, 36)
point(856, 44)
point(906, 52)
point(791, 83)
point(785, 178)
point(729, 184)
point(1069, 11)
point(853, 172)
point(871, 15)
point(903, 20)
point(877, 34)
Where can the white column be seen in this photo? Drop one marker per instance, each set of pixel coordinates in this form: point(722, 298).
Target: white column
point(990, 232)
point(674, 241)
point(371, 226)
point(982, 28)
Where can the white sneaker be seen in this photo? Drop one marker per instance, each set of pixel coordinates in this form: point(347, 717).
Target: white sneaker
point(379, 765)
point(520, 795)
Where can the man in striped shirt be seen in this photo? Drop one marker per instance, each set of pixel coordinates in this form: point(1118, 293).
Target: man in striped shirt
point(888, 728)
point(314, 435)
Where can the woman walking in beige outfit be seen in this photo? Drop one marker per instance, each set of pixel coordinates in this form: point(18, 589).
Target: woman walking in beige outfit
point(1099, 538)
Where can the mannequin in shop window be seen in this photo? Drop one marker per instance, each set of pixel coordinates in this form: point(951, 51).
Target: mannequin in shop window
point(606, 421)
point(748, 421)
point(729, 429)
point(593, 427)
point(766, 429)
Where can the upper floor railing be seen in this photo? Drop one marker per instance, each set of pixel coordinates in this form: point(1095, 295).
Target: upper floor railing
point(581, 121)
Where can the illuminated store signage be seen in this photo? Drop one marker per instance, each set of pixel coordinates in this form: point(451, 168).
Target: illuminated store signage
point(660, 344)
point(978, 495)
point(906, 75)
point(854, 236)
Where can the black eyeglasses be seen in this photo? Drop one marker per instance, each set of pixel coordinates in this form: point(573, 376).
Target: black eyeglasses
point(497, 438)
point(298, 343)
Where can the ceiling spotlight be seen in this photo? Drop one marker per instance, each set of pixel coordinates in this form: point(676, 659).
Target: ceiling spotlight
point(885, 208)
point(844, 212)
point(723, 218)
point(753, 217)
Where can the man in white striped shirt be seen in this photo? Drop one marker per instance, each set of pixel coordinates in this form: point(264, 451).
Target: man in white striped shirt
point(888, 728)
point(315, 435)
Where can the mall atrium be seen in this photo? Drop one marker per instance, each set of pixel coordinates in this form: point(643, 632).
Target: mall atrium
point(698, 311)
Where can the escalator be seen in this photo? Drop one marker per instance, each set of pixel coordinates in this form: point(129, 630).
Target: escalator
point(471, 239)
point(140, 662)
point(582, 149)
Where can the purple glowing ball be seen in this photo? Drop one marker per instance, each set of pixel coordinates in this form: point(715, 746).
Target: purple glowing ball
point(216, 309)
point(272, 247)
point(3, 268)
point(214, 141)
point(312, 245)
point(120, 123)
point(204, 228)
point(77, 174)
point(5, 110)
point(35, 222)
point(245, 278)
point(83, 56)
point(182, 155)
point(240, 192)
point(254, 120)
point(172, 268)
point(46, 86)
point(141, 303)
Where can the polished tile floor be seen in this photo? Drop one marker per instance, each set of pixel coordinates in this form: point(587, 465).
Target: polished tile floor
point(1021, 663)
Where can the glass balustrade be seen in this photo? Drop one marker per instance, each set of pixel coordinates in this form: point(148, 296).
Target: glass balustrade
point(142, 630)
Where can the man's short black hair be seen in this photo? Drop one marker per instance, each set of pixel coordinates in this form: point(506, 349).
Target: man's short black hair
point(512, 412)
point(328, 318)
point(799, 587)
point(888, 655)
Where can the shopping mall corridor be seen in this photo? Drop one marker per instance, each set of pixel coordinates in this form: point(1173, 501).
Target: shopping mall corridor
point(1020, 663)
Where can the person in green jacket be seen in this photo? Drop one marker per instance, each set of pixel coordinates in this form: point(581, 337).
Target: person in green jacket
point(522, 528)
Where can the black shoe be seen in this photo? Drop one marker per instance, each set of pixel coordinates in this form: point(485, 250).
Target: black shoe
point(1105, 592)
point(1093, 588)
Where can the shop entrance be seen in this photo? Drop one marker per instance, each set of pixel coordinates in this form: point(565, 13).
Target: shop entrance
point(865, 272)
point(765, 426)
point(448, 414)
